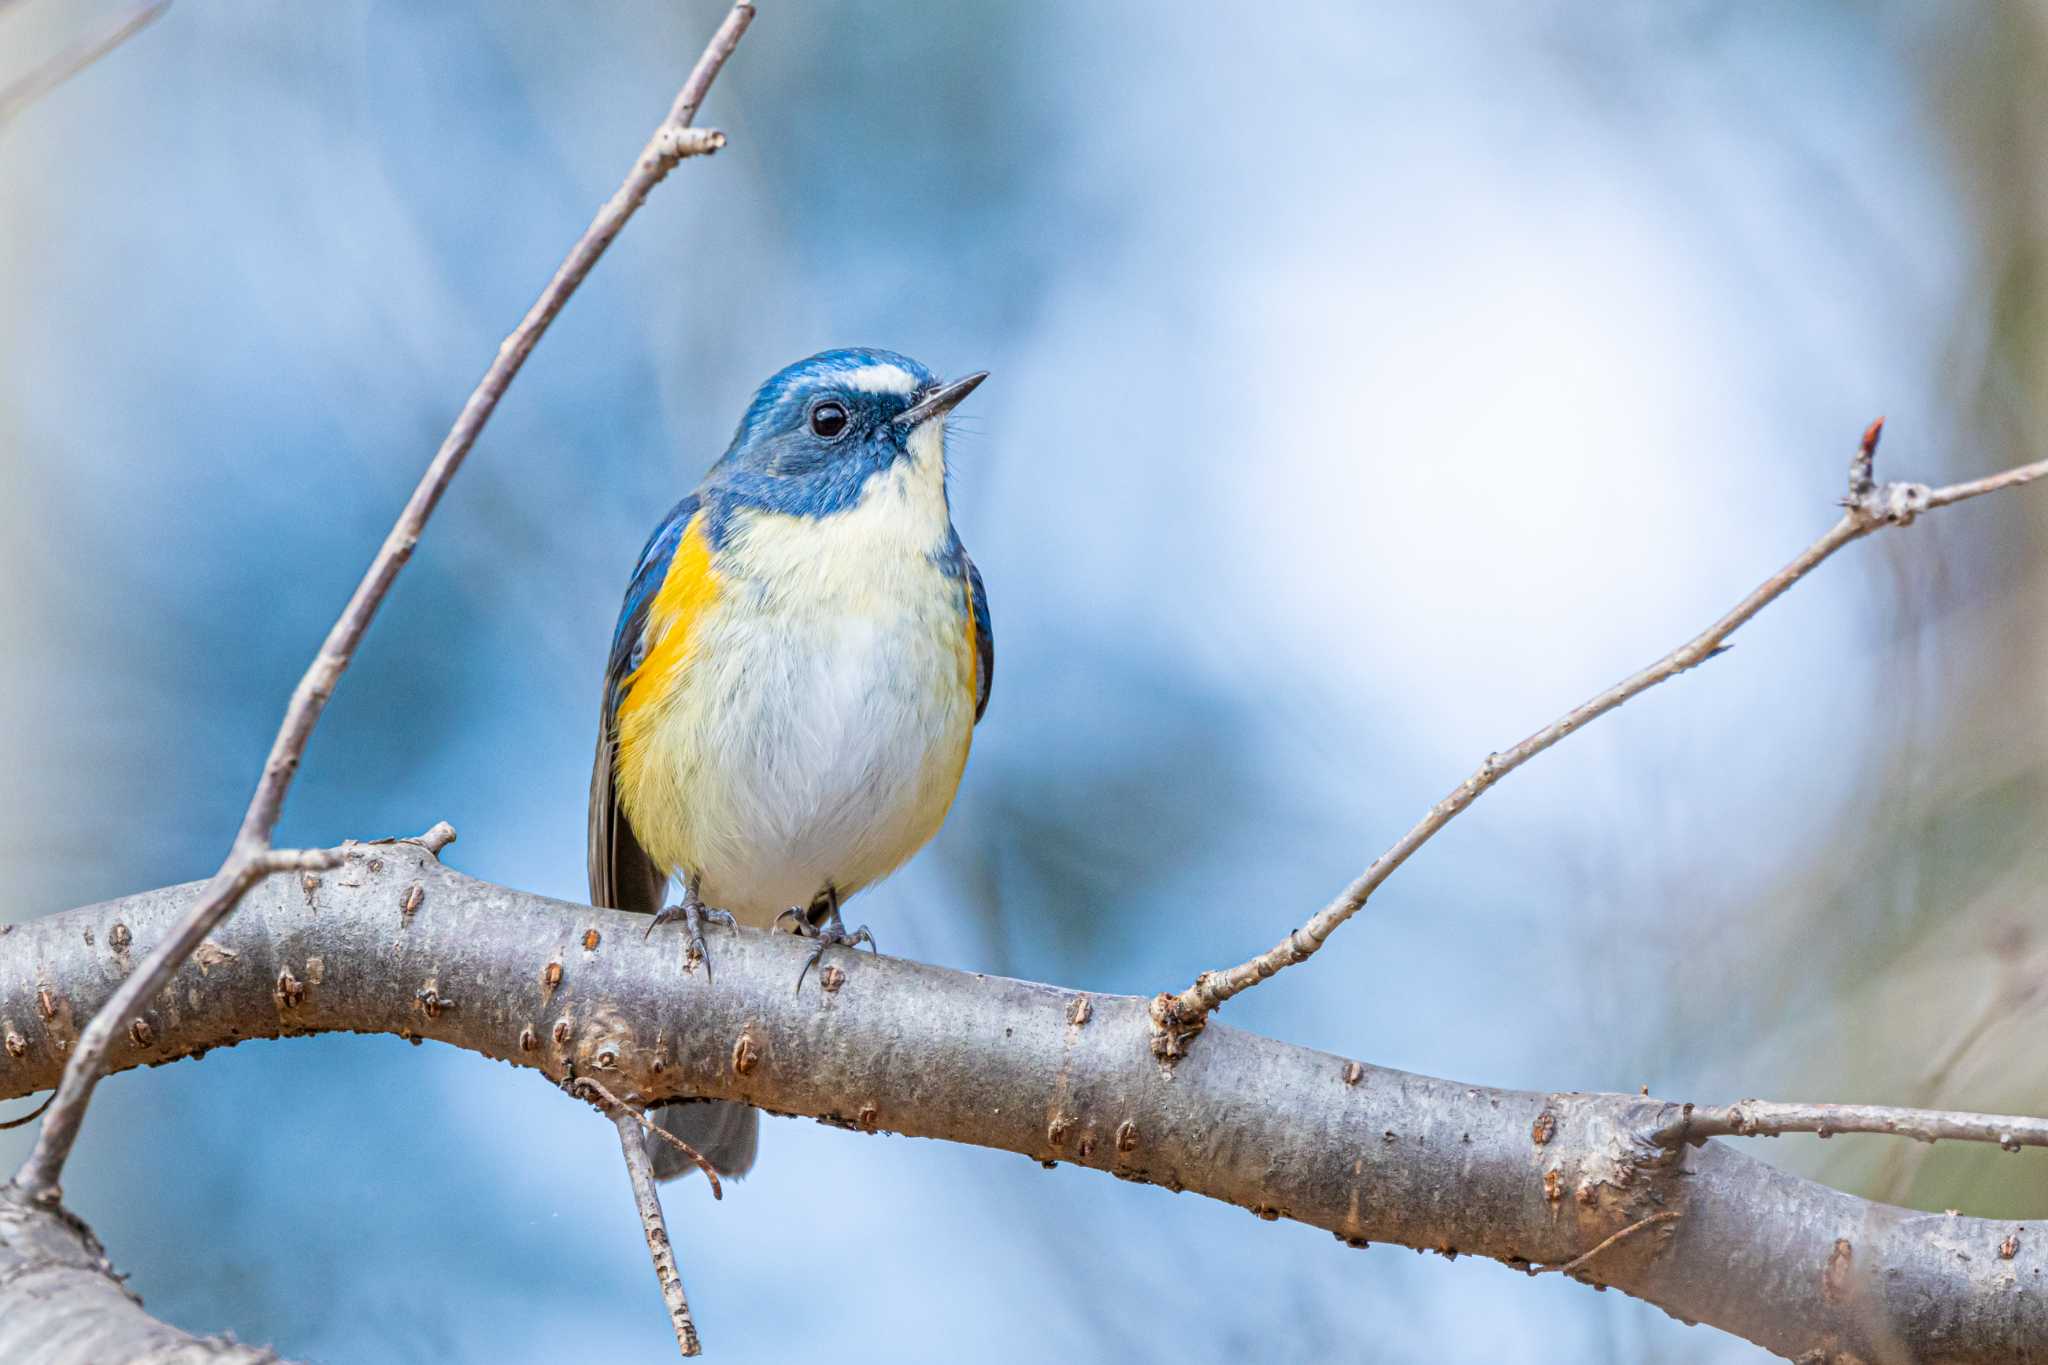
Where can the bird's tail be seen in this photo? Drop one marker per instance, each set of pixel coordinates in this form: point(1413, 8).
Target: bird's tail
point(725, 1131)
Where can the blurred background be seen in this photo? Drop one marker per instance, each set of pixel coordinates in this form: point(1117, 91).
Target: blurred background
point(1370, 386)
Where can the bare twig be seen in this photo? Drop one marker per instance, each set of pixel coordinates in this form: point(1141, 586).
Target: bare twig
point(250, 856)
point(641, 1171)
point(31, 1116)
point(1768, 1118)
point(75, 59)
point(1869, 506)
point(1579, 1262)
point(435, 839)
point(1976, 488)
point(614, 1106)
point(295, 860)
point(248, 863)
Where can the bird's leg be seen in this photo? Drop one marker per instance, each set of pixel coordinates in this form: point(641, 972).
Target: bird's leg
point(831, 932)
point(694, 914)
point(834, 930)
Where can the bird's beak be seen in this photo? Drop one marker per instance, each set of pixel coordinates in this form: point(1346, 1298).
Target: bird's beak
point(939, 401)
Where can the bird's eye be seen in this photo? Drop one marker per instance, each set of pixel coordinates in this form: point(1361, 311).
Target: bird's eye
point(828, 420)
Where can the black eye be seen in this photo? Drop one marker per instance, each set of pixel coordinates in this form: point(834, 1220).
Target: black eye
point(828, 420)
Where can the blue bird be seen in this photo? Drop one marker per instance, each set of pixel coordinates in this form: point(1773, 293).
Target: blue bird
point(801, 660)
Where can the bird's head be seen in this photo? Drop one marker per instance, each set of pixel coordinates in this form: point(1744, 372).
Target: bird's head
point(820, 429)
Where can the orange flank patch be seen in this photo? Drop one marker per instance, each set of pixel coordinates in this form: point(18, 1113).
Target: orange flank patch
point(686, 593)
point(973, 641)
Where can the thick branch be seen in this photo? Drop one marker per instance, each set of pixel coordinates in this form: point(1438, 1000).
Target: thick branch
point(393, 942)
point(63, 1302)
point(250, 855)
point(1870, 507)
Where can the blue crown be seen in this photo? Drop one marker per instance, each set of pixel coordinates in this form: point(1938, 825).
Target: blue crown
point(792, 386)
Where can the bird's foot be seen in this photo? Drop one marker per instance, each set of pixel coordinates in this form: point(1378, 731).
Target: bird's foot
point(833, 933)
point(695, 915)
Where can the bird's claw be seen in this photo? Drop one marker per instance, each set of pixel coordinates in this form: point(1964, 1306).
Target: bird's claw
point(831, 934)
point(695, 915)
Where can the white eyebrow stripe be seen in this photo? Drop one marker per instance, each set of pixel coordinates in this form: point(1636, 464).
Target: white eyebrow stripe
point(880, 379)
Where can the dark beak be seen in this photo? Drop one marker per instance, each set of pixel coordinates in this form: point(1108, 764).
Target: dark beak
point(939, 401)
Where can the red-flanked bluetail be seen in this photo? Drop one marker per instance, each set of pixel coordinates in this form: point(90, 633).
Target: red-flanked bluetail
point(802, 657)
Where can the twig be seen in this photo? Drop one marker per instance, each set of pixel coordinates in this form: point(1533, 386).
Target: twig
point(1869, 507)
point(75, 59)
point(614, 1106)
point(247, 864)
point(641, 1171)
point(1991, 483)
point(435, 839)
point(296, 860)
point(31, 1116)
point(1579, 1262)
point(250, 858)
point(1768, 1118)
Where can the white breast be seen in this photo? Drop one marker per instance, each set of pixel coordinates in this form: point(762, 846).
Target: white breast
point(829, 705)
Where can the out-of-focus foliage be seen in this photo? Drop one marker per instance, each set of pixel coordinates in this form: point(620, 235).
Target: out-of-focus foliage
point(1370, 385)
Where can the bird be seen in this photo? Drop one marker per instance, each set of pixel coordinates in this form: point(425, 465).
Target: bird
point(799, 665)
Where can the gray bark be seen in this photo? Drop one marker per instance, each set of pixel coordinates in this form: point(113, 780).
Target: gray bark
point(60, 1301)
point(393, 942)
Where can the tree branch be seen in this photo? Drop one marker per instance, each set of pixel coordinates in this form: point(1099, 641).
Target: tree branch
point(64, 1303)
point(394, 942)
point(250, 857)
point(1870, 507)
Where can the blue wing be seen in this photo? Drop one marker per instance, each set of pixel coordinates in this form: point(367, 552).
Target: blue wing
point(622, 876)
point(984, 637)
point(629, 643)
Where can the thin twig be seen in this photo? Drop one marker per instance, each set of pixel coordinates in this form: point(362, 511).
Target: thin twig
point(435, 839)
point(75, 59)
point(641, 1172)
point(1870, 507)
point(31, 1116)
point(250, 857)
point(614, 1106)
point(1991, 483)
point(1769, 1118)
point(1579, 1262)
point(295, 860)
